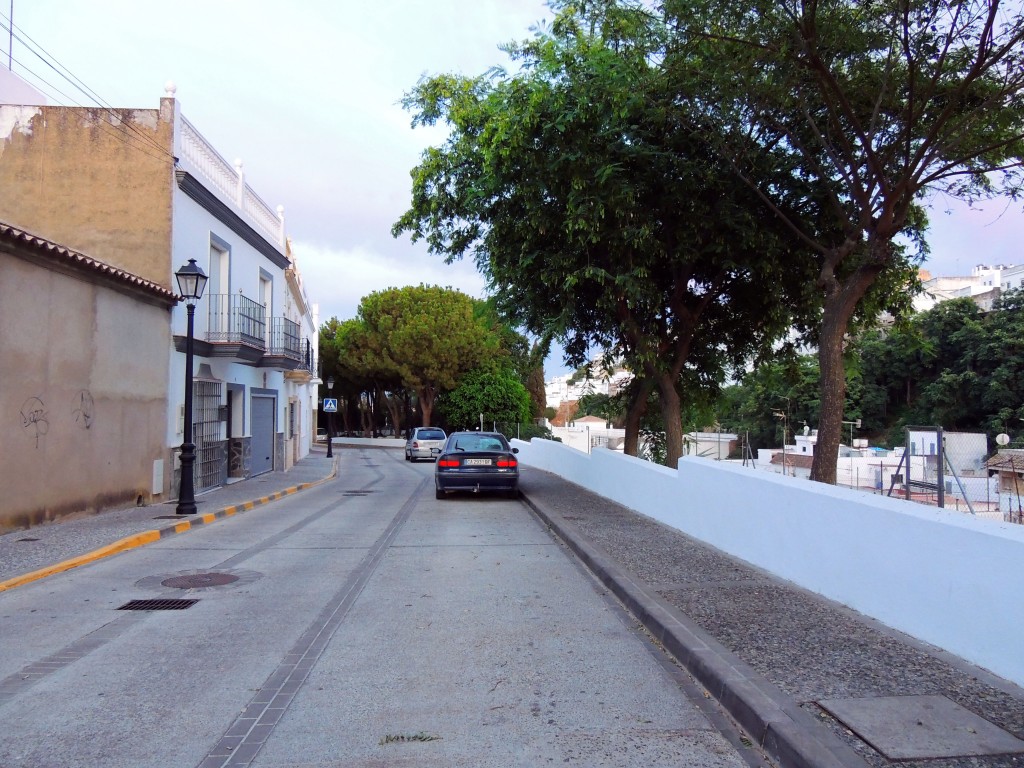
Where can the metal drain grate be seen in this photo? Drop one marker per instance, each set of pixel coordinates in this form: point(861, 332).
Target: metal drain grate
point(158, 605)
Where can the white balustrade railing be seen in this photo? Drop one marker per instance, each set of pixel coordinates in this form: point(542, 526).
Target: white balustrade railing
point(229, 181)
point(207, 160)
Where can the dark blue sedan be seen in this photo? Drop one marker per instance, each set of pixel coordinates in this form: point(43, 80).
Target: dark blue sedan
point(479, 462)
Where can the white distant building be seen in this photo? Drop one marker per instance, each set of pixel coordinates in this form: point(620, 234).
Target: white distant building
point(1012, 278)
point(559, 389)
point(983, 285)
point(710, 445)
point(590, 433)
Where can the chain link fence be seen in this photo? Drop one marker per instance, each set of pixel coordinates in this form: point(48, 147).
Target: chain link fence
point(953, 470)
point(946, 469)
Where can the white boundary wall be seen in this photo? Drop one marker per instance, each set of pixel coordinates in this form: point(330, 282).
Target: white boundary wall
point(944, 577)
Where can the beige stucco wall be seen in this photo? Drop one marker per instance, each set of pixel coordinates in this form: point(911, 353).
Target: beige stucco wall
point(99, 181)
point(83, 379)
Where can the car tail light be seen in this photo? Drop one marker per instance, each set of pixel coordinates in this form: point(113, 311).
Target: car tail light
point(447, 462)
point(415, 444)
point(506, 462)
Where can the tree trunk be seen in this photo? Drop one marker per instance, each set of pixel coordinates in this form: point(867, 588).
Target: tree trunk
point(832, 389)
point(835, 319)
point(367, 415)
point(392, 404)
point(671, 415)
point(635, 410)
point(426, 398)
point(343, 412)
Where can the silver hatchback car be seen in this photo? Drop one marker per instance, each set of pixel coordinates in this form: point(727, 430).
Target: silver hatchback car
point(424, 443)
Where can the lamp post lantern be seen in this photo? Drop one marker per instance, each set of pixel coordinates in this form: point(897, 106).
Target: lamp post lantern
point(191, 282)
point(330, 421)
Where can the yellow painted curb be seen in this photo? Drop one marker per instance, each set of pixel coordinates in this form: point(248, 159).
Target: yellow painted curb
point(146, 537)
point(129, 542)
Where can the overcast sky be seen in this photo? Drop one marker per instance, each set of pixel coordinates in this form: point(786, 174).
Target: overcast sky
point(306, 94)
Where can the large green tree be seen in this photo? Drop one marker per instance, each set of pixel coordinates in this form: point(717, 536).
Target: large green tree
point(493, 395)
point(348, 373)
point(873, 105)
point(380, 386)
point(425, 336)
point(597, 214)
point(954, 366)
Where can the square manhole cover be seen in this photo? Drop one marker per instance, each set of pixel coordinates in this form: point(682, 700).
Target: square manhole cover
point(922, 727)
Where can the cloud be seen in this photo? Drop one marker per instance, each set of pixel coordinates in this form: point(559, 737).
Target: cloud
point(338, 278)
point(961, 236)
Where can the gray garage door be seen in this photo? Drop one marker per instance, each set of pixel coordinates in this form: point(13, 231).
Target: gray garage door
point(262, 434)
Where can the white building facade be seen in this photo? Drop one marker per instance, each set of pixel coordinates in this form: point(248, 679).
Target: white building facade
point(255, 336)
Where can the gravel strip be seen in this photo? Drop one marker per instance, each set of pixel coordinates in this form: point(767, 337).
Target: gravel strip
point(808, 647)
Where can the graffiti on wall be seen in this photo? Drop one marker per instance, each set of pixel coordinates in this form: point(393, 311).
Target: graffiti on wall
point(84, 412)
point(34, 419)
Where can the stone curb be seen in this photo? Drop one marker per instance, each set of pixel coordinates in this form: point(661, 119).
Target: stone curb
point(779, 725)
point(146, 537)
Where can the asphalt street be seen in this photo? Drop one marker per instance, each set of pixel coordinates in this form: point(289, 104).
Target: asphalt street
point(811, 682)
point(353, 621)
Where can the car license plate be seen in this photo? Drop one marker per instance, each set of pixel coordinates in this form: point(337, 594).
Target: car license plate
point(478, 462)
point(435, 451)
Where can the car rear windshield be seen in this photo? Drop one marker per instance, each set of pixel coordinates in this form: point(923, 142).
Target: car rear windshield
point(430, 434)
point(479, 443)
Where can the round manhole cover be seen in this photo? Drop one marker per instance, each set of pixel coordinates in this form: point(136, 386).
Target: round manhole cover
point(199, 580)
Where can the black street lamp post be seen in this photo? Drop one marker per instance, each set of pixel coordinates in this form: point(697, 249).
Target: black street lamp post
point(191, 282)
point(330, 421)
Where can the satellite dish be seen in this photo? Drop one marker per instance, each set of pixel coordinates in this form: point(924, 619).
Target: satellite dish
point(1002, 438)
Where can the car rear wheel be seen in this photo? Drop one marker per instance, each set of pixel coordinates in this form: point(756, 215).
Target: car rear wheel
point(513, 494)
point(439, 494)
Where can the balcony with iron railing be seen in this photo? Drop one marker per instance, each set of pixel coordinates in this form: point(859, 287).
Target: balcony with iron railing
point(286, 349)
point(237, 327)
point(304, 369)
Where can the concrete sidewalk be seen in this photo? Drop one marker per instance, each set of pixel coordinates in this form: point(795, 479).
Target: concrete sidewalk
point(815, 684)
point(34, 553)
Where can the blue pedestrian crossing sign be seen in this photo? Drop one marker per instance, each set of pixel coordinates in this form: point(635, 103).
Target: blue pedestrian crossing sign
point(330, 405)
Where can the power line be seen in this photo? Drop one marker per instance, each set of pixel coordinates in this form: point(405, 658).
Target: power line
point(67, 75)
point(44, 56)
point(129, 139)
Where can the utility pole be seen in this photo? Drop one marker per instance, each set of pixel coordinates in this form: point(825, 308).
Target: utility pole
point(784, 416)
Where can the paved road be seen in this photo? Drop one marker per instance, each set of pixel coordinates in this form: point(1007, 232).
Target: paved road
point(814, 683)
point(357, 622)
